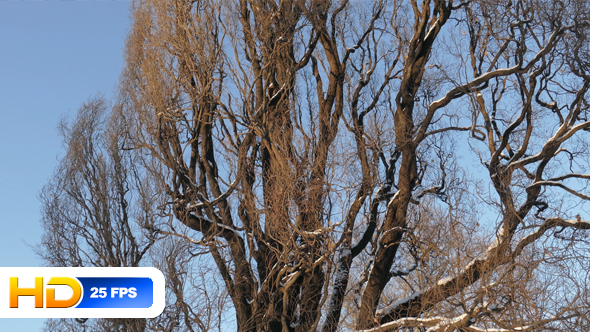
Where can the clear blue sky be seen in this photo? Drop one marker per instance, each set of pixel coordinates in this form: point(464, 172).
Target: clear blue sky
point(53, 56)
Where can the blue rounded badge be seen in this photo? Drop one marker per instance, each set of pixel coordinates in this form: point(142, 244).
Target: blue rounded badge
point(116, 292)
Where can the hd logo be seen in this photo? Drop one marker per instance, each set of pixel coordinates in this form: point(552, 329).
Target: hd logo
point(37, 292)
point(81, 292)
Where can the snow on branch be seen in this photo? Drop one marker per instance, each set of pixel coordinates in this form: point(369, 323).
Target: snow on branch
point(406, 322)
point(443, 324)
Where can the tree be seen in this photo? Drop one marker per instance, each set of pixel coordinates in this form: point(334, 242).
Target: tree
point(340, 165)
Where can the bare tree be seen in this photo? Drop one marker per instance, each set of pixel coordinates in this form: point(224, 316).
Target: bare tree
point(101, 209)
point(343, 165)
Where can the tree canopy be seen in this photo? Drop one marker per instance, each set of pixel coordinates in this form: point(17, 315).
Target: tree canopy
point(344, 165)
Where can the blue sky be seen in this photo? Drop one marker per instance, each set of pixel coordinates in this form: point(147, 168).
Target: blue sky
point(53, 56)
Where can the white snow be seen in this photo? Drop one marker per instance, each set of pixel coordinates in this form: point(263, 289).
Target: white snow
point(444, 281)
point(225, 227)
point(395, 304)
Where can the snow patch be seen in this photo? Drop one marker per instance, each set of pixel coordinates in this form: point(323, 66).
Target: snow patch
point(396, 304)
